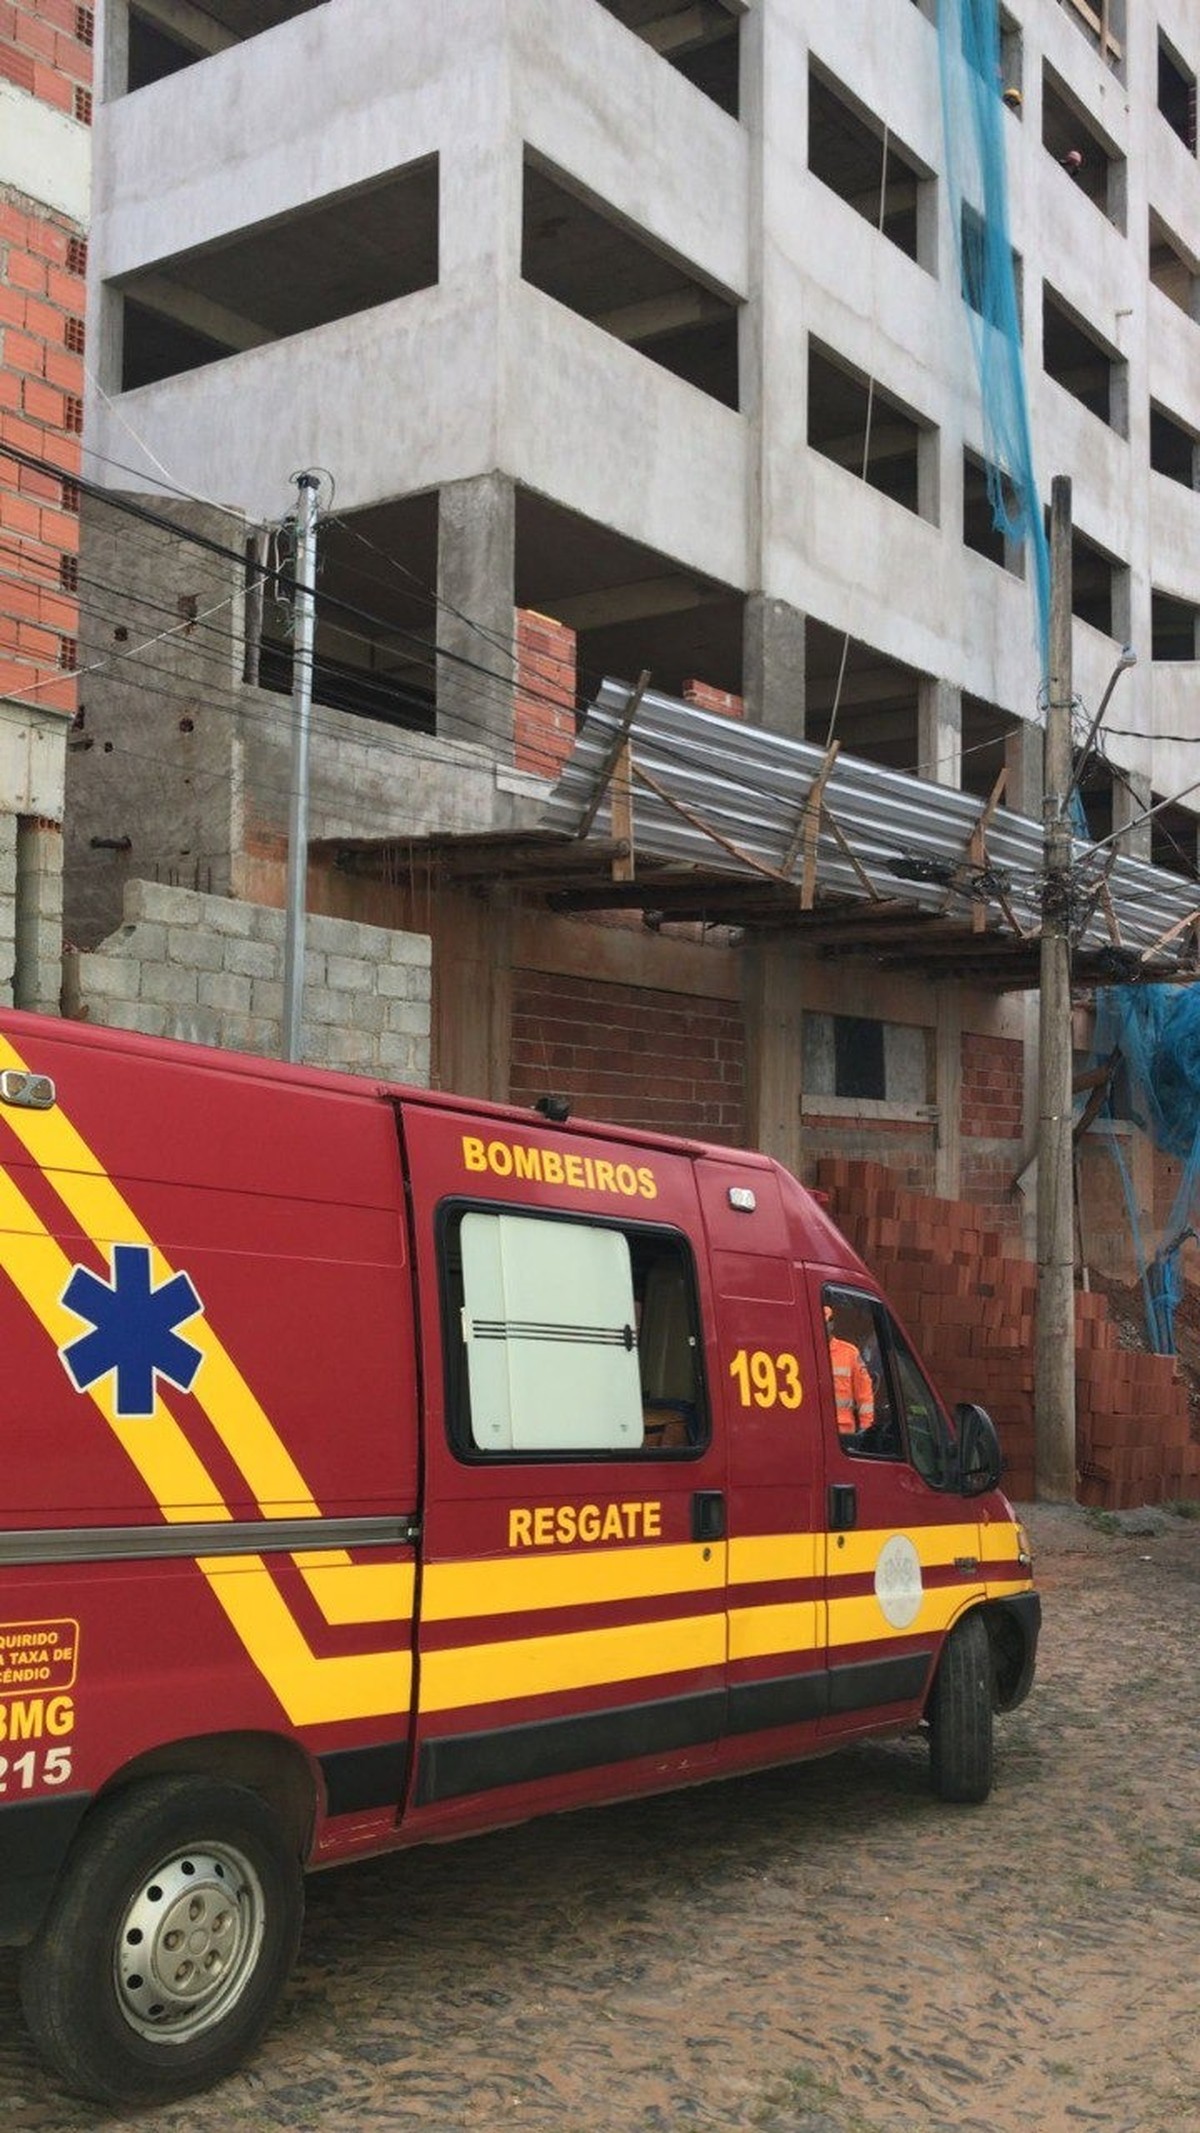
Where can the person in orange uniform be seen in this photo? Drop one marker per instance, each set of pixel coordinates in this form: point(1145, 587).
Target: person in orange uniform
point(853, 1390)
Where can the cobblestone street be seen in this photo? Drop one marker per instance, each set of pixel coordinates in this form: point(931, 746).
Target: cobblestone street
point(817, 1950)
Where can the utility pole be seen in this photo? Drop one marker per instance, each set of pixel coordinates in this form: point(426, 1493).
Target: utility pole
point(303, 630)
point(1054, 1396)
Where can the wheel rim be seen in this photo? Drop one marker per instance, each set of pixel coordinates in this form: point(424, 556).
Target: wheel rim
point(188, 1942)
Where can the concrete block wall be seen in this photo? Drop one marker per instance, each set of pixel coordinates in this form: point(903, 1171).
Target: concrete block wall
point(38, 936)
point(630, 1055)
point(8, 906)
point(971, 1310)
point(210, 971)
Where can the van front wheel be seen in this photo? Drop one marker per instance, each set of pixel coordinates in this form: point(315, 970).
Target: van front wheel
point(168, 1942)
point(960, 1715)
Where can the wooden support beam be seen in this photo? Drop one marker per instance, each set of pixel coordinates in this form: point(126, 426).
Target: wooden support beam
point(1172, 934)
point(660, 792)
point(617, 743)
point(621, 814)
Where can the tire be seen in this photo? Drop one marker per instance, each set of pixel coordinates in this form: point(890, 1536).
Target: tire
point(960, 1715)
point(167, 1943)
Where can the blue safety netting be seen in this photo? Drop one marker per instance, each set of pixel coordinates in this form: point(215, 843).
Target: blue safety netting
point(1154, 1031)
point(973, 119)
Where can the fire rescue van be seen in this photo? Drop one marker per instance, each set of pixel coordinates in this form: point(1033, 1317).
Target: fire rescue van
point(381, 1467)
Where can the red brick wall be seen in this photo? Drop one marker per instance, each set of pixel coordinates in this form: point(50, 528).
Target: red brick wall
point(46, 49)
point(993, 1128)
point(971, 1309)
point(706, 698)
point(544, 713)
point(629, 1055)
point(992, 1087)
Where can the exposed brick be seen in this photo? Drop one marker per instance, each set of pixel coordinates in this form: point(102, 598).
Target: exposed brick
point(602, 1046)
point(544, 707)
point(705, 697)
point(17, 67)
point(24, 271)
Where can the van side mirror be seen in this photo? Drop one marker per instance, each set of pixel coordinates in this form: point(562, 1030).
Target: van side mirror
point(979, 1458)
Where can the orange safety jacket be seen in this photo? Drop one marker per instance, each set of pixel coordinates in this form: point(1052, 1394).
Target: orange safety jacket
point(852, 1387)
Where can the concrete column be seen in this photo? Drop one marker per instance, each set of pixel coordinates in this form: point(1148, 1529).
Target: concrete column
point(947, 1091)
point(773, 996)
point(1023, 761)
point(37, 967)
point(773, 664)
point(1131, 795)
point(475, 617)
point(114, 52)
point(472, 996)
point(939, 732)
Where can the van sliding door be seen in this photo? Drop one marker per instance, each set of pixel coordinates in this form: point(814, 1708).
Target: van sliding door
point(572, 1637)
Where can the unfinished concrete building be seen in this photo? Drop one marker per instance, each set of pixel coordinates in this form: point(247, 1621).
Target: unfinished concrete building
point(45, 184)
point(643, 322)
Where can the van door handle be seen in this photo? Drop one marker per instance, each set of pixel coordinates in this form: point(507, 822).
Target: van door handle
point(843, 1506)
point(708, 1515)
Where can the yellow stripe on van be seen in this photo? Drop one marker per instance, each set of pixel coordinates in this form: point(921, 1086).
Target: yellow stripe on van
point(774, 1558)
point(856, 1554)
point(313, 1691)
point(769, 1632)
point(452, 1680)
point(86, 1190)
point(349, 1593)
point(998, 1543)
point(861, 1620)
point(500, 1585)
point(278, 1487)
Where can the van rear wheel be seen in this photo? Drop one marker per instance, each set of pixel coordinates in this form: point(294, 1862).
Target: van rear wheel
point(960, 1715)
point(168, 1941)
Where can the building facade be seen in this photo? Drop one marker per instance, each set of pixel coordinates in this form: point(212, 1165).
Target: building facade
point(46, 49)
point(648, 320)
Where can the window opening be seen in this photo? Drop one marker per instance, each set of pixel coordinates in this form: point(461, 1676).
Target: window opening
point(866, 169)
point(858, 425)
point(1172, 268)
point(1173, 449)
point(1080, 150)
point(1083, 365)
point(1177, 94)
point(1172, 627)
point(885, 1407)
point(569, 1338)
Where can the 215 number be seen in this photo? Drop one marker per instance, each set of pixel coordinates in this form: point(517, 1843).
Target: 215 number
point(766, 1380)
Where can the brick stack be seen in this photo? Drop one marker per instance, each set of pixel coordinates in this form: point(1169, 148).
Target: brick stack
point(971, 1308)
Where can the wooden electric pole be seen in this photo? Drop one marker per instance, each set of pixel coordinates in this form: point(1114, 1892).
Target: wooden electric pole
point(1054, 1396)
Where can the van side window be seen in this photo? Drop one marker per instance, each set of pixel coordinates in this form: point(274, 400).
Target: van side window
point(569, 1337)
point(885, 1406)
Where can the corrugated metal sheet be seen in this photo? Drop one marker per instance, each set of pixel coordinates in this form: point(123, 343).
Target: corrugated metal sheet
point(750, 787)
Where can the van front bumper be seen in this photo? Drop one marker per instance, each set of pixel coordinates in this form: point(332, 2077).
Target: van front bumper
point(1016, 1621)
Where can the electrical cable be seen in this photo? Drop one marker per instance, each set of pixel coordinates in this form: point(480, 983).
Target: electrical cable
point(487, 679)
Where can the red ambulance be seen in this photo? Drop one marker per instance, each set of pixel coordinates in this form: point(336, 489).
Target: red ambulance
point(380, 1467)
